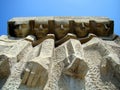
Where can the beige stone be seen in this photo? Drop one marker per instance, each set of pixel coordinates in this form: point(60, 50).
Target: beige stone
point(39, 64)
point(4, 67)
point(70, 66)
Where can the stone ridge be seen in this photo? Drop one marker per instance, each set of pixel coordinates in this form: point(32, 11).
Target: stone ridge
point(25, 20)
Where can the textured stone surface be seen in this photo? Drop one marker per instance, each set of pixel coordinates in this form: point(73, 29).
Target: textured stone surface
point(94, 65)
point(36, 71)
point(102, 62)
point(24, 20)
point(4, 67)
point(102, 27)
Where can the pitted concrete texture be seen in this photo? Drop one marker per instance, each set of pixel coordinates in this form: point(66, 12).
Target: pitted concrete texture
point(94, 65)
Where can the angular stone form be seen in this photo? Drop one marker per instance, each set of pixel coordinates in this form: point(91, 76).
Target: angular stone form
point(17, 51)
point(14, 79)
point(111, 63)
point(61, 26)
point(68, 66)
point(69, 59)
point(36, 72)
point(60, 53)
point(77, 66)
point(108, 61)
point(66, 38)
point(56, 69)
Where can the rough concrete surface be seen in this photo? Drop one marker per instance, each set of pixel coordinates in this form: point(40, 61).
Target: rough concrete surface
point(94, 65)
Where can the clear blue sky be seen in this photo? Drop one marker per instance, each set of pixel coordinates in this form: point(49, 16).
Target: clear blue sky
point(18, 8)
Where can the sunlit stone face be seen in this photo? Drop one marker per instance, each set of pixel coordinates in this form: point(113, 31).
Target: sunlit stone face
point(81, 29)
point(61, 30)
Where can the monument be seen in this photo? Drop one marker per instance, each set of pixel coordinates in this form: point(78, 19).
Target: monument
point(60, 53)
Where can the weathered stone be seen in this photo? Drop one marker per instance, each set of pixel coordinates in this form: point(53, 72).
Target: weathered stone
point(34, 76)
point(65, 38)
point(47, 48)
point(14, 79)
point(17, 51)
point(81, 29)
point(60, 27)
point(56, 69)
point(60, 53)
point(6, 43)
point(4, 67)
point(107, 59)
point(26, 75)
point(86, 39)
point(72, 52)
point(77, 66)
point(40, 40)
point(34, 53)
point(68, 66)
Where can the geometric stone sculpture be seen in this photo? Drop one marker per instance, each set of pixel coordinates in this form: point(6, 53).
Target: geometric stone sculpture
point(36, 71)
point(60, 53)
point(70, 62)
point(77, 66)
point(102, 69)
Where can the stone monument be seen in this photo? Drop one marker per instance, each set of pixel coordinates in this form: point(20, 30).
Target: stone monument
point(60, 53)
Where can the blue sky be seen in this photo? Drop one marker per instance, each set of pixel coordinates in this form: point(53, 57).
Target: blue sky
point(20, 8)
